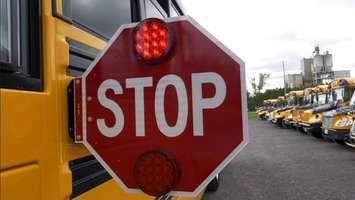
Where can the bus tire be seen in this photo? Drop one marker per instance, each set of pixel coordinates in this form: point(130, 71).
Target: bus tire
point(213, 185)
point(341, 142)
point(317, 135)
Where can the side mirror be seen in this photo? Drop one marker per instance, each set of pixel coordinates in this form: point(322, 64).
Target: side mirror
point(338, 102)
point(352, 109)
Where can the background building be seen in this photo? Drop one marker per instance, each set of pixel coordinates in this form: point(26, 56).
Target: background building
point(322, 69)
point(316, 70)
point(306, 70)
point(294, 80)
point(342, 74)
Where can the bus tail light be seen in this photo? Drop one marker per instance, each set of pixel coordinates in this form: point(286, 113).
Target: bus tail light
point(152, 40)
point(156, 173)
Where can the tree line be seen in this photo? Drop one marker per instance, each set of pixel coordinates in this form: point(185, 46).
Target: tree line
point(256, 97)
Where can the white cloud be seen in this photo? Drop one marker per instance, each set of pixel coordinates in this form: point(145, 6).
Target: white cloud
point(263, 33)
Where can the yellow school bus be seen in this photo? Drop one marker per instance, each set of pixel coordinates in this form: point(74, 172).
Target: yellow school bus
point(272, 106)
point(308, 102)
point(337, 122)
point(281, 105)
point(351, 136)
point(283, 112)
point(261, 111)
point(287, 114)
point(311, 119)
point(44, 44)
point(293, 115)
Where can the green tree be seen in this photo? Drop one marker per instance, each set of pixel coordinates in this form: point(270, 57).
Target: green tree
point(257, 100)
point(259, 86)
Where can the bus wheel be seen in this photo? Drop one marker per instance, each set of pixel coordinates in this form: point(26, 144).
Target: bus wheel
point(283, 124)
point(213, 185)
point(341, 142)
point(317, 135)
point(300, 129)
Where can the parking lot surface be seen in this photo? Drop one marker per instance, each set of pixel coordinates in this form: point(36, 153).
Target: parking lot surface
point(285, 164)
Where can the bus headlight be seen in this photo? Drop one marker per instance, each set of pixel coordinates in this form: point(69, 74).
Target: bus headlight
point(342, 123)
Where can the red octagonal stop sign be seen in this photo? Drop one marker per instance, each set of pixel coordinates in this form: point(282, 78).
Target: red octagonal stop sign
point(190, 106)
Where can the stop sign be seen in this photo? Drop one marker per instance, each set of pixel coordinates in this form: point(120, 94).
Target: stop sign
point(171, 123)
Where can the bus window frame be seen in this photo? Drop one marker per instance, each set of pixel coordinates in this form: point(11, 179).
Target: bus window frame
point(138, 13)
point(135, 17)
point(174, 5)
point(156, 5)
point(28, 74)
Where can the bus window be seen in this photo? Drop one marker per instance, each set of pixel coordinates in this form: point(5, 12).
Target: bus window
point(322, 99)
point(8, 39)
point(173, 11)
point(5, 32)
point(102, 17)
point(153, 9)
point(352, 101)
point(20, 45)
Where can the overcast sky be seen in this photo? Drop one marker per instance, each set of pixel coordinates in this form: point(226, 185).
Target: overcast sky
point(263, 33)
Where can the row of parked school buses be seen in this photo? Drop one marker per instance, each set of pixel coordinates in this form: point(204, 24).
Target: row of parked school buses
point(324, 111)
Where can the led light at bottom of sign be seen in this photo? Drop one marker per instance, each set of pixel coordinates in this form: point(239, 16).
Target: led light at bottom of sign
point(156, 172)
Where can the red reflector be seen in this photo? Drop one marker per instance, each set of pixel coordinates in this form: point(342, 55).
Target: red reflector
point(151, 40)
point(156, 173)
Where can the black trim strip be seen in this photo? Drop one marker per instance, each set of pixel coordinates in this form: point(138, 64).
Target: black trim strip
point(177, 6)
point(135, 11)
point(80, 57)
point(70, 98)
point(164, 197)
point(87, 173)
point(19, 81)
point(90, 30)
point(8, 67)
point(81, 52)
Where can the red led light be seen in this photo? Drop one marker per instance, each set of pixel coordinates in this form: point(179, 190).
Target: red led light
point(151, 39)
point(156, 173)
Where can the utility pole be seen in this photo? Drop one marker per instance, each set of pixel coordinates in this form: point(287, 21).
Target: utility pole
point(283, 68)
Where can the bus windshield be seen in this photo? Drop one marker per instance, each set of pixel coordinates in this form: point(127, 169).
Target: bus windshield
point(342, 94)
point(322, 98)
point(291, 101)
point(278, 105)
point(307, 99)
point(300, 101)
point(352, 101)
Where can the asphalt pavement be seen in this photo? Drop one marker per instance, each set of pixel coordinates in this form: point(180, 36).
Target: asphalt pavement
point(283, 164)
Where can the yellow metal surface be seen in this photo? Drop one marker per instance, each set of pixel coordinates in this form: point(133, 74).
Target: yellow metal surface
point(263, 112)
point(335, 84)
point(21, 127)
point(307, 116)
point(338, 83)
point(109, 190)
point(298, 93)
point(336, 128)
point(198, 197)
point(322, 89)
point(21, 183)
point(308, 91)
point(35, 145)
point(60, 6)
